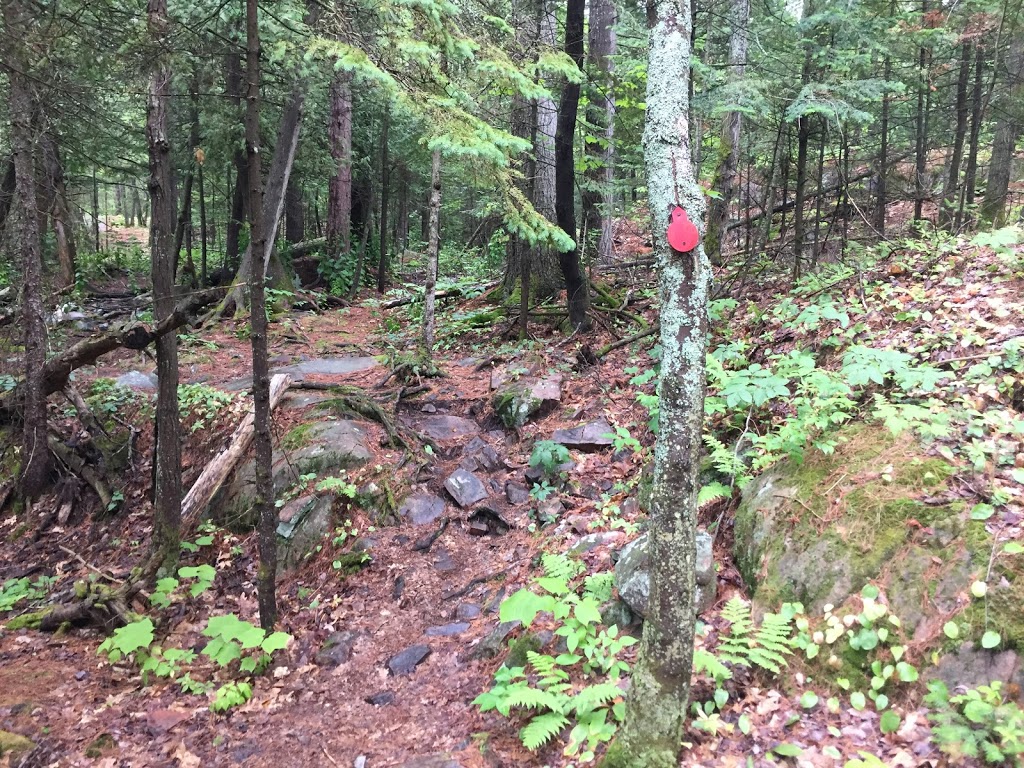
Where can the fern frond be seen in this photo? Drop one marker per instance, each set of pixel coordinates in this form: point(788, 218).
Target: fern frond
point(534, 698)
point(558, 566)
point(736, 643)
point(541, 729)
point(765, 659)
point(707, 663)
point(594, 696)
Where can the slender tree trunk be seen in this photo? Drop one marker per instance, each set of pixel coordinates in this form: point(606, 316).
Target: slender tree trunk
point(433, 248)
point(367, 232)
point(203, 266)
point(294, 214)
point(339, 137)
point(237, 211)
point(799, 227)
point(923, 108)
point(1011, 120)
point(881, 184)
point(402, 219)
point(952, 185)
point(724, 182)
point(819, 196)
point(167, 450)
point(382, 261)
point(95, 211)
point(656, 702)
point(140, 211)
point(600, 114)
point(577, 286)
point(267, 526)
point(977, 108)
point(60, 211)
point(7, 184)
point(35, 454)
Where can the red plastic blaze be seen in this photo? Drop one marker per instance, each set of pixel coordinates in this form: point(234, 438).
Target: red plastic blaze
point(682, 234)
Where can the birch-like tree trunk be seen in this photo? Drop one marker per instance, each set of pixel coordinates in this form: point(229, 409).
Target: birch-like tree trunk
point(656, 702)
point(167, 451)
point(433, 249)
point(339, 138)
point(596, 197)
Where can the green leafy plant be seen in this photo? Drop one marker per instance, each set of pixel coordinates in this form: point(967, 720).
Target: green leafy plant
point(549, 456)
point(544, 689)
point(202, 404)
point(977, 723)
point(14, 591)
point(764, 646)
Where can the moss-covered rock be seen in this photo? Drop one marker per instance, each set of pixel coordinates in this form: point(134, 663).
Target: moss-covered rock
point(13, 747)
point(878, 511)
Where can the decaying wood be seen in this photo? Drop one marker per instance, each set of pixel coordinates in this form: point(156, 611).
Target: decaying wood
point(628, 340)
point(80, 467)
point(451, 293)
point(220, 469)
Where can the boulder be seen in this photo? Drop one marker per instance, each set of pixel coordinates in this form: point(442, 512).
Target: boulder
point(422, 508)
point(465, 487)
point(302, 525)
point(516, 401)
point(442, 427)
point(633, 574)
point(592, 436)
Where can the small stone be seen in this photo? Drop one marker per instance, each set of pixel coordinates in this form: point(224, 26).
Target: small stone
point(589, 437)
point(447, 630)
point(492, 522)
point(516, 493)
point(380, 699)
point(467, 611)
point(81, 675)
point(405, 662)
point(429, 408)
point(491, 644)
point(443, 562)
point(465, 488)
point(337, 648)
point(442, 427)
point(422, 508)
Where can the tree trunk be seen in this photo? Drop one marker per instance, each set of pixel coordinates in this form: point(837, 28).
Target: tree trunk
point(595, 198)
point(924, 97)
point(294, 214)
point(724, 182)
point(6, 195)
point(185, 215)
point(267, 526)
point(799, 227)
point(339, 138)
point(977, 108)
point(577, 287)
point(881, 180)
point(656, 701)
point(952, 185)
point(203, 266)
point(433, 248)
point(167, 449)
point(140, 211)
point(382, 260)
point(1008, 128)
point(35, 453)
point(60, 211)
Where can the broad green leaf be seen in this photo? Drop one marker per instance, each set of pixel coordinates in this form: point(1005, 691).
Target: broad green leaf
point(990, 639)
point(951, 630)
point(523, 606)
point(982, 511)
point(858, 701)
point(809, 700)
point(889, 722)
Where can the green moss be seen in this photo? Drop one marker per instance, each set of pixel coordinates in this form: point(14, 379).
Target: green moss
point(297, 437)
point(348, 563)
point(13, 746)
point(520, 647)
point(102, 743)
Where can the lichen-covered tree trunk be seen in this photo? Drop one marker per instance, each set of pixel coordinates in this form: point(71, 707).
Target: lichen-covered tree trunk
point(655, 705)
point(729, 142)
point(167, 452)
point(266, 586)
point(1009, 107)
point(433, 248)
point(596, 196)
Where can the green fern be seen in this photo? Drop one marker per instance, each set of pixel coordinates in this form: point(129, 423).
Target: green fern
point(705, 662)
point(765, 646)
point(558, 566)
point(542, 729)
point(594, 696)
point(533, 698)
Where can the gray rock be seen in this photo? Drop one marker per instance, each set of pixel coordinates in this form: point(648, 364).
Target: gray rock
point(337, 648)
point(443, 562)
point(380, 699)
point(633, 578)
point(137, 380)
point(447, 630)
point(442, 427)
point(588, 437)
point(971, 667)
point(482, 454)
point(517, 401)
point(465, 487)
point(516, 493)
point(302, 524)
point(616, 613)
point(331, 446)
point(329, 366)
point(467, 611)
point(422, 508)
point(492, 643)
point(405, 662)
point(595, 540)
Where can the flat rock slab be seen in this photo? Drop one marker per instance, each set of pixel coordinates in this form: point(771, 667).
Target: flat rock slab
point(405, 662)
point(329, 366)
point(447, 630)
point(516, 401)
point(588, 437)
point(337, 648)
point(432, 761)
point(422, 508)
point(137, 380)
point(465, 487)
point(442, 427)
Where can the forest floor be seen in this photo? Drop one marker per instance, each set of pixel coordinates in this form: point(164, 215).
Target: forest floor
point(83, 711)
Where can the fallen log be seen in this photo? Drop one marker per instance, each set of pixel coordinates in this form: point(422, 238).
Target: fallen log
point(134, 336)
point(217, 471)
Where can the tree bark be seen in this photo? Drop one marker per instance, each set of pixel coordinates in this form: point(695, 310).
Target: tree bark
point(6, 195)
point(924, 98)
point(724, 182)
point(433, 249)
point(35, 453)
point(1008, 128)
point(237, 213)
point(267, 526)
point(596, 198)
point(294, 215)
point(977, 110)
point(952, 185)
point(577, 287)
point(167, 448)
point(881, 183)
point(656, 701)
point(339, 138)
point(60, 211)
point(382, 260)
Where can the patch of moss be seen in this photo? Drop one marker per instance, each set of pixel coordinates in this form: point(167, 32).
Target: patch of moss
point(13, 746)
point(520, 647)
point(349, 563)
point(297, 437)
point(101, 744)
